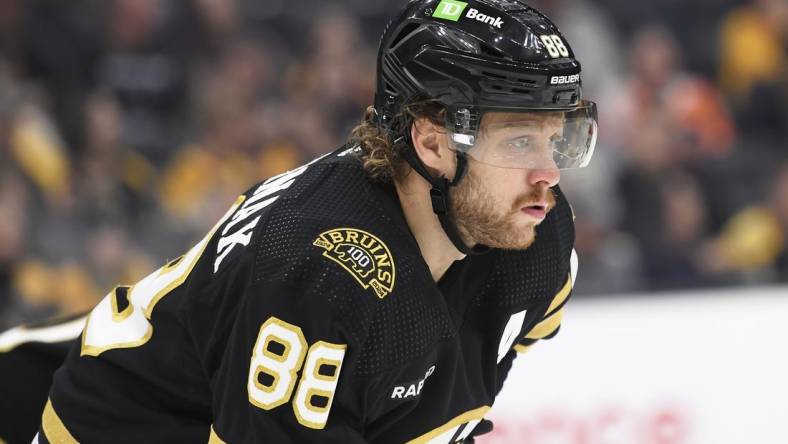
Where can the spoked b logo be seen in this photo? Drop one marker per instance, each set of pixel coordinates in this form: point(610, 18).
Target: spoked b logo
point(450, 10)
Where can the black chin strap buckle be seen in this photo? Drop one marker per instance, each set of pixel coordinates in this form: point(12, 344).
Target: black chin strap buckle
point(459, 172)
point(439, 204)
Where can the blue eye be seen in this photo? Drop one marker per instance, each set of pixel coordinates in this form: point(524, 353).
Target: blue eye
point(520, 143)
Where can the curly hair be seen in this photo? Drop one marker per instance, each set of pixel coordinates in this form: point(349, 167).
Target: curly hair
point(382, 159)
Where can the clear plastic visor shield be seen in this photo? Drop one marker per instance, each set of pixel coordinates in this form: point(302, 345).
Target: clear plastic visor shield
point(526, 139)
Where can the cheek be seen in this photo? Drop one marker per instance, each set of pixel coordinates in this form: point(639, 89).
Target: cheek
point(503, 186)
point(508, 182)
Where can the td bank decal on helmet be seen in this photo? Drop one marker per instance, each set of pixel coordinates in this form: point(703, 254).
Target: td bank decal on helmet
point(496, 22)
point(362, 255)
point(452, 10)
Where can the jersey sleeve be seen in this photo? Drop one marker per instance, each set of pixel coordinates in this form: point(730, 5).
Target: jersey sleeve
point(237, 341)
point(29, 356)
point(546, 328)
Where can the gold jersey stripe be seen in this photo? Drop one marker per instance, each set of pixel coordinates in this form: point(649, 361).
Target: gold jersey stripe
point(456, 422)
point(561, 296)
point(522, 348)
point(547, 326)
point(54, 430)
point(214, 438)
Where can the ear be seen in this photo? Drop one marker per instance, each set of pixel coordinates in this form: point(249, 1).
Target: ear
point(432, 146)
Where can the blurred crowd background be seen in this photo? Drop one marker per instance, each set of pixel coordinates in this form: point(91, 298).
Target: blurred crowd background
point(127, 127)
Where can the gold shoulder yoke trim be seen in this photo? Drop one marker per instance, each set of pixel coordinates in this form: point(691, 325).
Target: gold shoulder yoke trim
point(53, 428)
point(214, 438)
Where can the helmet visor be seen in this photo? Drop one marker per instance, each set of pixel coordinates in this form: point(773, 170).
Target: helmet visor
point(531, 139)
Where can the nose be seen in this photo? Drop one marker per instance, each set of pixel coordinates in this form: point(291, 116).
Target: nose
point(548, 176)
point(543, 169)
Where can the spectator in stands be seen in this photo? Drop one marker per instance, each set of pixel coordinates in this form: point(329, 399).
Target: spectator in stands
point(117, 115)
point(11, 42)
point(754, 67)
point(38, 151)
point(112, 259)
point(780, 207)
point(62, 44)
point(331, 93)
point(13, 242)
point(663, 206)
point(753, 244)
point(657, 84)
point(672, 259)
point(202, 174)
point(113, 183)
point(142, 66)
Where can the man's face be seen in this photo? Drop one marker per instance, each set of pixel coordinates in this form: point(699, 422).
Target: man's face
point(501, 207)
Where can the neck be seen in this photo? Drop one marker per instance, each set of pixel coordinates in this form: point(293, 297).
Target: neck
point(436, 248)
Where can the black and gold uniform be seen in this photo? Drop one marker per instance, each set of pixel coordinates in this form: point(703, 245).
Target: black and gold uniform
point(308, 314)
point(29, 356)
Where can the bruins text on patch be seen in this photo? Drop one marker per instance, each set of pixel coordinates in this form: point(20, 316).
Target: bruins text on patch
point(363, 255)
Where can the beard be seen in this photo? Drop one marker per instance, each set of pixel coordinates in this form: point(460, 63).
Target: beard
point(473, 207)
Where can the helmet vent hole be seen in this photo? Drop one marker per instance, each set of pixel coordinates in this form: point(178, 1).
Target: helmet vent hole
point(490, 51)
point(493, 75)
point(526, 81)
point(405, 32)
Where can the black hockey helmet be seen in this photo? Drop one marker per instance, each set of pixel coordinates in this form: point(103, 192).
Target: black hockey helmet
point(479, 56)
point(476, 57)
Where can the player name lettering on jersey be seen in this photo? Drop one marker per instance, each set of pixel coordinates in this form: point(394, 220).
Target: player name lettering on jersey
point(264, 195)
point(411, 390)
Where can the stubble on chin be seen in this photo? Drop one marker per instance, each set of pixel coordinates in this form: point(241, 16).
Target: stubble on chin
point(479, 222)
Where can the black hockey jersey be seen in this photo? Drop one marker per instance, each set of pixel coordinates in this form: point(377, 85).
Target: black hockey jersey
point(29, 356)
point(308, 314)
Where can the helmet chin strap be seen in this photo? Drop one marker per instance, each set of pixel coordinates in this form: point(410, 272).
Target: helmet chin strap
point(439, 194)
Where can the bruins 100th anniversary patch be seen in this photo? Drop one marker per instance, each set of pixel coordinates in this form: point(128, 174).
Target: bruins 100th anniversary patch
point(363, 255)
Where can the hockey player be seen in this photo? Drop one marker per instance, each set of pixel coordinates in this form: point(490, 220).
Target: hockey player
point(379, 293)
